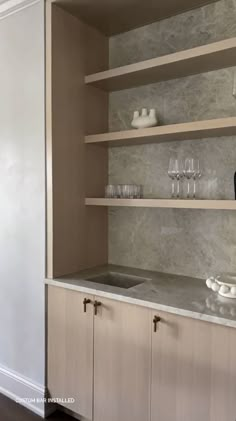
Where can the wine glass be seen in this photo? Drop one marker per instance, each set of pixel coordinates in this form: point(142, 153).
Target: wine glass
point(172, 175)
point(179, 170)
point(197, 175)
point(189, 172)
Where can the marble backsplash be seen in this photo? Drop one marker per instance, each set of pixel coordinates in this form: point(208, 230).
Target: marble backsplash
point(210, 23)
point(189, 242)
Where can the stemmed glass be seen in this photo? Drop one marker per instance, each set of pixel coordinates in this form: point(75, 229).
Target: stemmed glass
point(179, 175)
point(189, 172)
point(172, 175)
point(197, 175)
point(175, 171)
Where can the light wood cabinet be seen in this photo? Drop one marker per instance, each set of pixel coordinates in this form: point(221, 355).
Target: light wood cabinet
point(70, 349)
point(122, 362)
point(193, 371)
point(117, 367)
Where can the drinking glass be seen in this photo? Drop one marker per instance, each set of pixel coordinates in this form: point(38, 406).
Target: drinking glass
point(179, 171)
point(189, 172)
point(196, 176)
point(127, 191)
point(137, 191)
point(110, 191)
point(124, 191)
point(119, 191)
point(172, 175)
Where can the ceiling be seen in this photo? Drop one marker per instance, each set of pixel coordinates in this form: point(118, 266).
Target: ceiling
point(114, 16)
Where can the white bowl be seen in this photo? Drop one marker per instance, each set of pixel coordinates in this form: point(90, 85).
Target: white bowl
point(224, 285)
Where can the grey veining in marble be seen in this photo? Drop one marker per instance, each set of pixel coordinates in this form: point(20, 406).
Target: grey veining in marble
point(194, 243)
point(179, 295)
point(197, 243)
point(196, 27)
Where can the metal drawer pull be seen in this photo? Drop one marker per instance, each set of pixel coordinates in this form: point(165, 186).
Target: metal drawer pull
point(96, 305)
point(156, 320)
point(85, 302)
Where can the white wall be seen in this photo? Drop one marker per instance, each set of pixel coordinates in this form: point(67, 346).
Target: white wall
point(22, 195)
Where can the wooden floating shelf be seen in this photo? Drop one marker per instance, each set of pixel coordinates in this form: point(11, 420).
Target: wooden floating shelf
point(183, 131)
point(116, 16)
point(201, 59)
point(164, 203)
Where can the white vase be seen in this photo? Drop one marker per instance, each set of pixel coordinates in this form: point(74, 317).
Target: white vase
point(144, 120)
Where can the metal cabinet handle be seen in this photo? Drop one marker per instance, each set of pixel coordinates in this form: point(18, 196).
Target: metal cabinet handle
point(156, 320)
point(85, 302)
point(96, 304)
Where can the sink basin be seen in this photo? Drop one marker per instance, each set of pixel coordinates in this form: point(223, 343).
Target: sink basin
point(119, 280)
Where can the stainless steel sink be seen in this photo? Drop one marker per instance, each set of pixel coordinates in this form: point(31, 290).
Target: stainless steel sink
point(119, 280)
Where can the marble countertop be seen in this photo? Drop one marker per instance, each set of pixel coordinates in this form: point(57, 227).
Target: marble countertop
point(175, 294)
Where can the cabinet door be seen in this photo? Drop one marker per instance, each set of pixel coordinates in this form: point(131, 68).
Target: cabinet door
point(122, 362)
point(193, 371)
point(70, 349)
